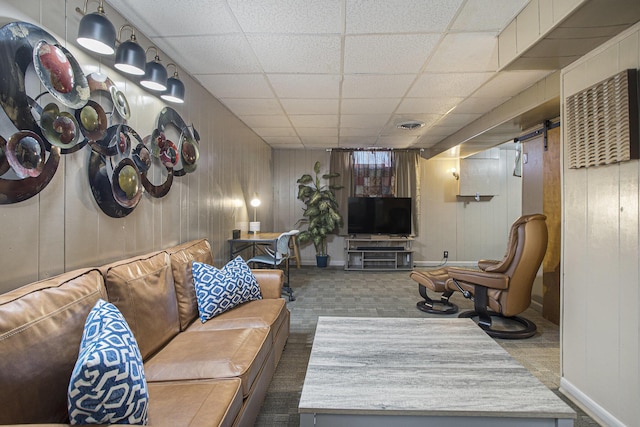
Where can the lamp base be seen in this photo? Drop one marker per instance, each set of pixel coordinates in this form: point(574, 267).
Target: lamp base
point(254, 227)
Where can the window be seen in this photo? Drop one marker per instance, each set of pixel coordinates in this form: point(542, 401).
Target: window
point(373, 174)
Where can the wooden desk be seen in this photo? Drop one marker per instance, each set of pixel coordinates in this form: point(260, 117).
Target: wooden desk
point(253, 241)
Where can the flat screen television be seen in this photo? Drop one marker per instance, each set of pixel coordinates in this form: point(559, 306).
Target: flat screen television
point(379, 215)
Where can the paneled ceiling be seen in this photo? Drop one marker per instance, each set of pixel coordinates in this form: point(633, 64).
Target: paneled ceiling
point(341, 73)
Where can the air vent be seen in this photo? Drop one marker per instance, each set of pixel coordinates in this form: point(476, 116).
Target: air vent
point(602, 122)
point(410, 125)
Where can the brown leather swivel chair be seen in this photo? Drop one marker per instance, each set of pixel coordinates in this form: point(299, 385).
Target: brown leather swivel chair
point(503, 288)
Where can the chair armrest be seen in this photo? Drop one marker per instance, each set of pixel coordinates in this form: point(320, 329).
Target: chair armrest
point(479, 277)
point(270, 281)
point(484, 264)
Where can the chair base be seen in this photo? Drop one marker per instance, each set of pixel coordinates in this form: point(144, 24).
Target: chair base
point(289, 292)
point(444, 306)
point(527, 330)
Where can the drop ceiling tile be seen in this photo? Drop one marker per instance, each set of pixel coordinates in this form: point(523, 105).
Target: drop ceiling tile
point(447, 84)
point(253, 107)
point(265, 132)
point(399, 16)
point(387, 54)
point(203, 17)
point(226, 54)
point(314, 120)
point(320, 141)
point(319, 54)
point(397, 141)
point(368, 132)
point(427, 119)
point(510, 83)
point(236, 85)
point(382, 86)
point(261, 121)
point(287, 146)
point(363, 120)
point(487, 15)
point(305, 86)
point(314, 132)
point(369, 106)
point(357, 141)
point(309, 106)
point(466, 52)
point(288, 16)
point(427, 105)
point(286, 140)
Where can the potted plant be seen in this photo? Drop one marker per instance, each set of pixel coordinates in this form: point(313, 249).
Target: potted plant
point(321, 214)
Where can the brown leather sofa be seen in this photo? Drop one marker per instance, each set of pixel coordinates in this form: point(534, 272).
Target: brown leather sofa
point(198, 374)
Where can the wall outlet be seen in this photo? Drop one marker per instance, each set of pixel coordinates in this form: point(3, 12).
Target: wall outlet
point(446, 254)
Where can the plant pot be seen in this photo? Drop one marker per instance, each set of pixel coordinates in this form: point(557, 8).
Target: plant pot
point(322, 260)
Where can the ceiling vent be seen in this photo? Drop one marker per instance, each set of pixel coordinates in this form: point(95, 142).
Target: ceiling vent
point(410, 125)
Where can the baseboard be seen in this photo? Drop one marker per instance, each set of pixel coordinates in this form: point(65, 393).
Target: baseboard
point(595, 411)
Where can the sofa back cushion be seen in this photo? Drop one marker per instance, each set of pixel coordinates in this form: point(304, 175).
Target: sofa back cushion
point(40, 331)
point(142, 289)
point(181, 258)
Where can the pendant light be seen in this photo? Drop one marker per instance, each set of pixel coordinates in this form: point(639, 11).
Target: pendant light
point(130, 56)
point(175, 88)
point(155, 75)
point(96, 33)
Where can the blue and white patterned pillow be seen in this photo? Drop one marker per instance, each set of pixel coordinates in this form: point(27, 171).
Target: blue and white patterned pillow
point(219, 290)
point(108, 385)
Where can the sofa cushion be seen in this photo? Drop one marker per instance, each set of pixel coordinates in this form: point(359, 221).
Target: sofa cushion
point(40, 330)
point(219, 290)
point(107, 385)
point(200, 403)
point(181, 257)
point(194, 355)
point(142, 289)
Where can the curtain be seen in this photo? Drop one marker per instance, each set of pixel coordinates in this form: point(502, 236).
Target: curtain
point(406, 165)
point(372, 174)
point(341, 162)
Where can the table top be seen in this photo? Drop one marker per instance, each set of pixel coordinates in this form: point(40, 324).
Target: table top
point(418, 366)
point(257, 237)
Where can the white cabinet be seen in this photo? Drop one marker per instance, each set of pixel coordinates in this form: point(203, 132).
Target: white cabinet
point(378, 253)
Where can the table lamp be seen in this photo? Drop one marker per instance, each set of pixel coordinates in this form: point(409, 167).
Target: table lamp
point(254, 226)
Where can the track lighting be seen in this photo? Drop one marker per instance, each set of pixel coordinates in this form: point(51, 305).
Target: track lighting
point(175, 88)
point(96, 32)
point(155, 75)
point(130, 56)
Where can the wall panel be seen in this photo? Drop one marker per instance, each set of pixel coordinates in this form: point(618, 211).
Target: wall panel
point(62, 228)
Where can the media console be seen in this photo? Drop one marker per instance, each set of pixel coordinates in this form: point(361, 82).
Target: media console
point(378, 253)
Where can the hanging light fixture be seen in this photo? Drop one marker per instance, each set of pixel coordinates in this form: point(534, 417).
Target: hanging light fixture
point(155, 75)
point(96, 32)
point(130, 56)
point(175, 88)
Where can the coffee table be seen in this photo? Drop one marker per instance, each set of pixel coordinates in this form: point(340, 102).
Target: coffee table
point(416, 372)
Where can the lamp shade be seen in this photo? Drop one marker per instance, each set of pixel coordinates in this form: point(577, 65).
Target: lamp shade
point(130, 58)
point(155, 76)
point(97, 33)
point(174, 92)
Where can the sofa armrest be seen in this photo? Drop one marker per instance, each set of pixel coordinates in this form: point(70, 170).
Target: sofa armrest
point(270, 281)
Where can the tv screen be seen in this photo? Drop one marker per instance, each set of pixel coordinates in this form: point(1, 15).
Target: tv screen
point(379, 215)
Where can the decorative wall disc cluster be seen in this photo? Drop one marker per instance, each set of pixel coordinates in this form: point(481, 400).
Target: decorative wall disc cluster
point(77, 110)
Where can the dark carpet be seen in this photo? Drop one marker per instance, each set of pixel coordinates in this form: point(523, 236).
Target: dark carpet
point(335, 292)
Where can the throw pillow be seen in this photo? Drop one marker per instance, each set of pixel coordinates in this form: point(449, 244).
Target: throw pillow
point(219, 290)
point(108, 385)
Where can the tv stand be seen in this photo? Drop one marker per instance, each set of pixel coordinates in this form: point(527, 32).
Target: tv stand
point(381, 253)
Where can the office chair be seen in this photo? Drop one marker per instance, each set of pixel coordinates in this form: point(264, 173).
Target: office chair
point(278, 258)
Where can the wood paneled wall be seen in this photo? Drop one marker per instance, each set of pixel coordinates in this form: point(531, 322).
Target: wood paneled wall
point(600, 321)
point(62, 228)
